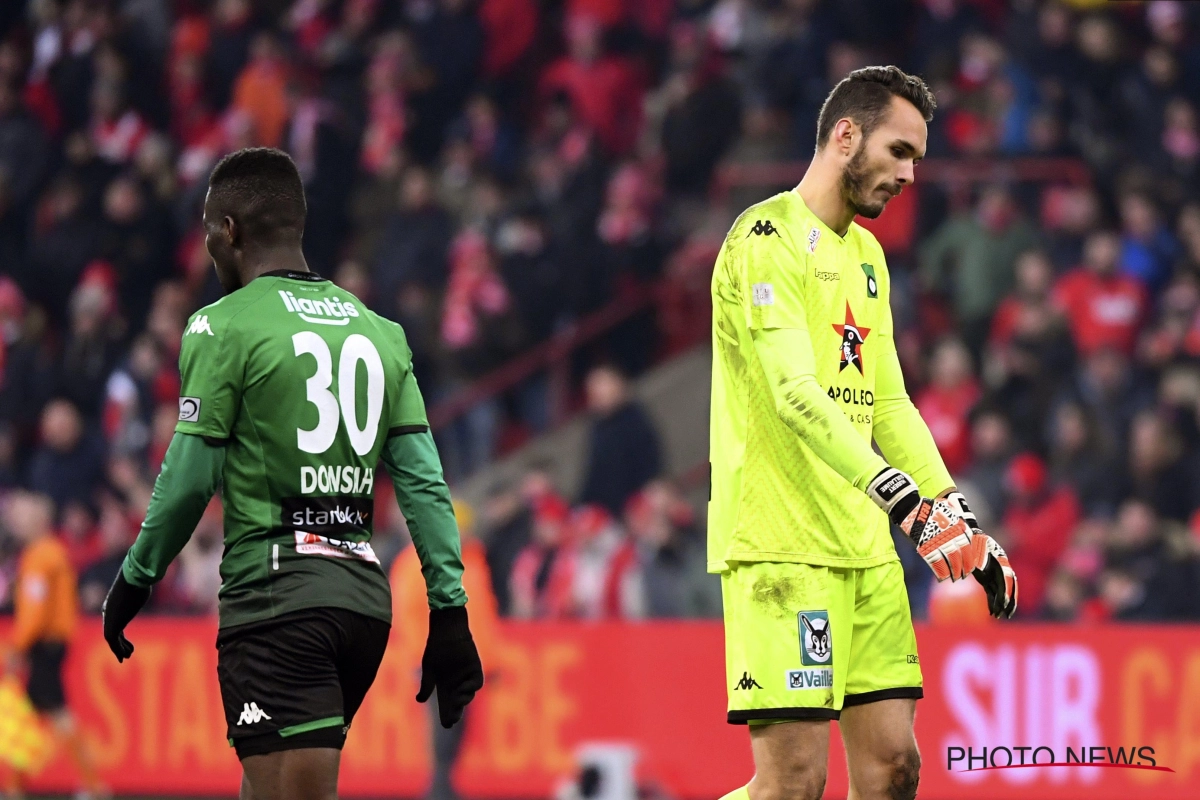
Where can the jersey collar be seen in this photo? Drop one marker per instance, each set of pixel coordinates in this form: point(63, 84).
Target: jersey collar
point(311, 277)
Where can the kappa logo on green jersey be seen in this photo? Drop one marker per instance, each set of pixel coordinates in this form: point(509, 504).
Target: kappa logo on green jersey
point(200, 325)
point(816, 639)
point(872, 284)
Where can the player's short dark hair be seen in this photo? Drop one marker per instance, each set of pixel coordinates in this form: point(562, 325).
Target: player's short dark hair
point(864, 96)
point(261, 189)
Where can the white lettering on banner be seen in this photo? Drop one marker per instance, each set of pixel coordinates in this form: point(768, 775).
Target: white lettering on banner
point(1031, 695)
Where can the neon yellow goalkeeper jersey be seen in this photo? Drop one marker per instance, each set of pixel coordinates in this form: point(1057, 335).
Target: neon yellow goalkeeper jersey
point(805, 375)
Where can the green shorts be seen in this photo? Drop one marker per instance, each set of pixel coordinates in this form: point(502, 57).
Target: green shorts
point(803, 642)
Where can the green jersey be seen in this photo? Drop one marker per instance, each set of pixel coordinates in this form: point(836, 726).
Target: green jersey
point(303, 385)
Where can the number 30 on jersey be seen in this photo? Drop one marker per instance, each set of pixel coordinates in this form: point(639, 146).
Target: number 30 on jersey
point(356, 348)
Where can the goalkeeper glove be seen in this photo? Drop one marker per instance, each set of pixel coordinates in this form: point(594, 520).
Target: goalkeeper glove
point(996, 576)
point(943, 539)
point(122, 604)
point(450, 664)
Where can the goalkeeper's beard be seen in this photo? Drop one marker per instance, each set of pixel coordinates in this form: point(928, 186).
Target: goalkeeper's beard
point(856, 177)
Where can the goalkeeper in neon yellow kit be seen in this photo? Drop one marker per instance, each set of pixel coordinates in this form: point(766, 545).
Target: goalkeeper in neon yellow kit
point(805, 376)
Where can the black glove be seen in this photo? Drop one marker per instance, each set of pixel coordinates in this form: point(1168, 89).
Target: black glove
point(123, 603)
point(450, 664)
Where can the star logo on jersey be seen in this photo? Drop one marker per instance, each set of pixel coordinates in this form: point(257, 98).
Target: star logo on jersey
point(853, 337)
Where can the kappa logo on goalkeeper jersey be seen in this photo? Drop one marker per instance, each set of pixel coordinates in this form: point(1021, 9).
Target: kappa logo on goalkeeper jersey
point(763, 228)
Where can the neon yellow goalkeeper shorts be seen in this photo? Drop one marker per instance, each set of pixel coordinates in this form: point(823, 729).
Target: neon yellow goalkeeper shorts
point(803, 642)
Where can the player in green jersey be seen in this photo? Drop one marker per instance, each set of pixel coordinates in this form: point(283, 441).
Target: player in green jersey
point(805, 378)
point(292, 392)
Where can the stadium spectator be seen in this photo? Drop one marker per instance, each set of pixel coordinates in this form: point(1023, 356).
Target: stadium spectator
point(69, 463)
point(1039, 519)
point(593, 539)
point(945, 403)
point(115, 533)
point(971, 258)
point(415, 242)
point(992, 449)
point(1081, 460)
point(660, 570)
point(1145, 575)
point(541, 583)
point(1103, 307)
point(604, 88)
point(1159, 471)
point(623, 449)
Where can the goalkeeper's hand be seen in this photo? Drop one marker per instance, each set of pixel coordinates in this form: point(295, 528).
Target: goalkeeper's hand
point(996, 576)
point(951, 546)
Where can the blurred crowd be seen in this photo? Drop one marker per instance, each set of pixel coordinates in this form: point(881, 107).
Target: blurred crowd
point(487, 172)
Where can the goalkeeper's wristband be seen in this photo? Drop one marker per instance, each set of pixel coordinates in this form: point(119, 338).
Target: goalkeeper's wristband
point(895, 492)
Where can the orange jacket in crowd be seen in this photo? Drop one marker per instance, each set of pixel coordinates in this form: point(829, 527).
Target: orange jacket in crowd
point(46, 606)
point(410, 608)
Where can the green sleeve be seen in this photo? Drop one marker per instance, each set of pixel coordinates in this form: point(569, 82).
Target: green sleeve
point(787, 359)
point(211, 370)
point(191, 474)
point(411, 459)
point(899, 430)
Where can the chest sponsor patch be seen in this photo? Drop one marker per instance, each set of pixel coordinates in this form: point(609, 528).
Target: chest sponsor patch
point(327, 515)
point(312, 544)
point(762, 294)
point(853, 337)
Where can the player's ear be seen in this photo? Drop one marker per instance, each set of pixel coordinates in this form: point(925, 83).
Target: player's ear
point(844, 132)
point(230, 229)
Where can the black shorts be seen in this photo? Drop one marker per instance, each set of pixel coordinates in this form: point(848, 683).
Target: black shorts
point(297, 680)
point(45, 685)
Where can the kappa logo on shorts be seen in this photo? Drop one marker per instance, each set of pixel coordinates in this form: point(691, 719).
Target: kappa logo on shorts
point(747, 682)
point(251, 714)
point(816, 639)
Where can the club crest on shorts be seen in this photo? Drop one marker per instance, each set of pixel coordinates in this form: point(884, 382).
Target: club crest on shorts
point(816, 640)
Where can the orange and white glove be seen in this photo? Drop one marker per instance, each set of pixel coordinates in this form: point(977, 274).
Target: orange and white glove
point(943, 538)
point(996, 576)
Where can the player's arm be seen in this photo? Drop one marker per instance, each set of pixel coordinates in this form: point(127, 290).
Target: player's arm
point(211, 365)
point(787, 359)
point(951, 543)
point(190, 475)
point(773, 282)
point(450, 663)
point(899, 429)
point(411, 459)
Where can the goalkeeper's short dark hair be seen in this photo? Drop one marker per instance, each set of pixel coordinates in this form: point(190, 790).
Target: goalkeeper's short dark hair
point(261, 189)
point(864, 96)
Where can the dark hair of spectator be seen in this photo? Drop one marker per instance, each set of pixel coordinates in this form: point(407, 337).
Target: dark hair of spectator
point(864, 96)
point(260, 188)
